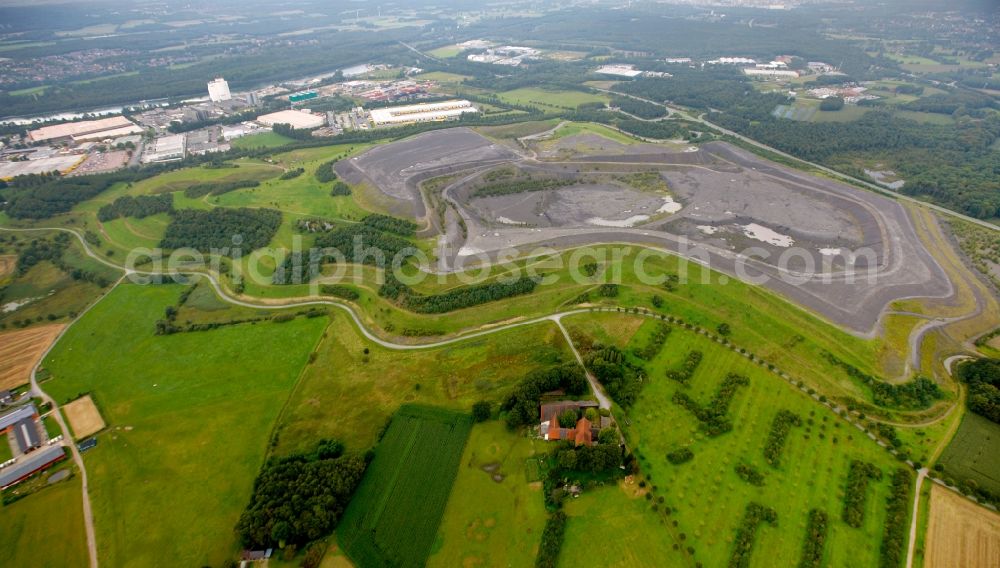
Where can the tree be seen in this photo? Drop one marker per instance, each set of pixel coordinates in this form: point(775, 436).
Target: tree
point(481, 411)
point(567, 419)
point(724, 329)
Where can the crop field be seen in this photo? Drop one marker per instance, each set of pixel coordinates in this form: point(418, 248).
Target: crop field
point(494, 515)
point(45, 530)
point(84, 417)
point(961, 533)
point(707, 497)
point(20, 350)
point(7, 264)
point(974, 453)
point(394, 515)
point(179, 406)
point(552, 99)
point(354, 385)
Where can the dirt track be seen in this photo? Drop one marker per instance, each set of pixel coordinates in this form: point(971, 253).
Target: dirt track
point(961, 533)
point(20, 350)
point(83, 416)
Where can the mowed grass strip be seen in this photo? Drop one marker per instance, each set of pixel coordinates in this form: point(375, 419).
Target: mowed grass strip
point(394, 515)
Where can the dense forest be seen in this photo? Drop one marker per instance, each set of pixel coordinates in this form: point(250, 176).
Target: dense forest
point(300, 498)
point(221, 229)
point(139, 206)
point(983, 378)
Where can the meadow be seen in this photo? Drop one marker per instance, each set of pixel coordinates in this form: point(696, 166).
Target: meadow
point(974, 453)
point(551, 99)
point(354, 385)
point(489, 522)
point(707, 497)
point(394, 515)
point(263, 140)
point(188, 421)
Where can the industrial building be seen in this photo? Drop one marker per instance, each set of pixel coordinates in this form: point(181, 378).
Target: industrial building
point(218, 90)
point(297, 119)
point(166, 149)
point(100, 129)
point(423, 112)
point(619, 70)
point(767, 72)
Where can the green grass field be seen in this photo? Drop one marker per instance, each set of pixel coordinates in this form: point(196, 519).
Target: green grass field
point(445, 51)
point(974, 453)
point(394, 515)
point(486, 522)
point(706, 495)
point(45, 529)
point(5, 451)
point(551, 99)
point(349, 395)
point(264, 140)
point(188, 421)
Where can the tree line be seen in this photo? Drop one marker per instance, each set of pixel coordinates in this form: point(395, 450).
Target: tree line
point(714, 415)
point(456, 299)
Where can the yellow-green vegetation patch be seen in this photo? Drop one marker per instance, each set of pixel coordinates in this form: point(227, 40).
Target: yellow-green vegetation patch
point(354, 385)
point(495, 513)
point(263, 140)
point(45, 529)
point(445, 51)
point(606, 328)
point(551, 99)
point(177, 406)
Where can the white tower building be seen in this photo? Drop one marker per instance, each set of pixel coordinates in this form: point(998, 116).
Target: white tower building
point(218, 90)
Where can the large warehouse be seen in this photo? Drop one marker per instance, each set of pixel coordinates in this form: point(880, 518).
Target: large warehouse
point(295, 118)
point(424, 112)
point(111, 127)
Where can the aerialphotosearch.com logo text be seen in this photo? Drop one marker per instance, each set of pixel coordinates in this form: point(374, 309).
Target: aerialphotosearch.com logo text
point(599, 263)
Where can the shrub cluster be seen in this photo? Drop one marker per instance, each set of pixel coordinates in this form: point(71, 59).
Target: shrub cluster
point(339, 291)
point(896, 522)
point(755, 515)
point(519, 186)
point(324, 173)
point(750, 474)
point(780, 428)
point(690, 365)
point(655, 343)
point(857, 485)
point(552, 539)
point(401, 227)
point(456, 299)
point(812, 548)
point(292, 174)
point(917, 394)
point(618, 376)
point(202, 189)
point(713, 415)
point(680, 455)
